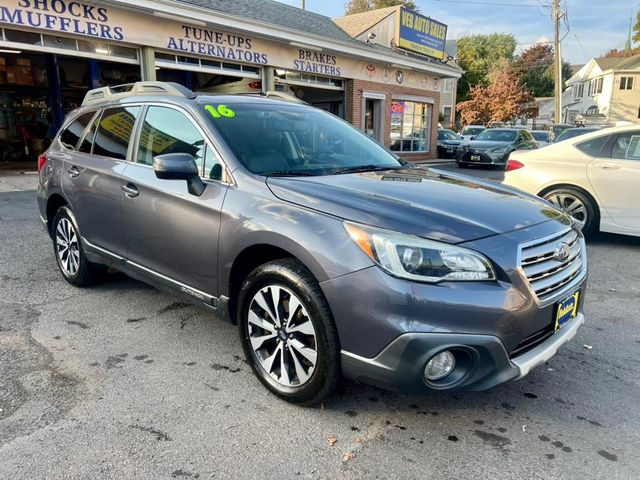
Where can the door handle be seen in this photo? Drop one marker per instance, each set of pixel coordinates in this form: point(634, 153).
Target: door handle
point(608, 166)
point(130, 190)
point(73, 172)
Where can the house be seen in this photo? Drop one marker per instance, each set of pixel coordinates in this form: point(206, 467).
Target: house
point(604, 91)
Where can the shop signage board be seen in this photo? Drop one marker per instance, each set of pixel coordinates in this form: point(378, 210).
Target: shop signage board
point(107, 24)
point(420, 34)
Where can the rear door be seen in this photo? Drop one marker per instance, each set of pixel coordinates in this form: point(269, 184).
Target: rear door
point(93, 175)
point(170, 232)
point(615, 176)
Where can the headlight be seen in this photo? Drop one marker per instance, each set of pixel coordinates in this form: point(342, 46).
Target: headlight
point(499, 150)
point(415, 258)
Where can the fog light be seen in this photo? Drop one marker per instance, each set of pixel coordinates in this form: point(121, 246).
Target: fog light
point(440, 366)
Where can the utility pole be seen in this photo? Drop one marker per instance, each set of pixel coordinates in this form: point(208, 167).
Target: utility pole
point(557, 64)
point(302, 5)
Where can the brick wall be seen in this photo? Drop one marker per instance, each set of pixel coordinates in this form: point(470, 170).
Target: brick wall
point(354, 113)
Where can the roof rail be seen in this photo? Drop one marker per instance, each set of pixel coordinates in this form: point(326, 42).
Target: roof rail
point(285, 97)
point(138, 88)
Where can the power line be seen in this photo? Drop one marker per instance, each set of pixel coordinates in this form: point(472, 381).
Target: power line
point(495, 4)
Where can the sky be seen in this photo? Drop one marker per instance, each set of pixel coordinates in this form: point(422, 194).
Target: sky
point(595, 26)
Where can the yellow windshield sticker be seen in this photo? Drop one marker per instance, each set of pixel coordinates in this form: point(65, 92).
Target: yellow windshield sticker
point(219, 111)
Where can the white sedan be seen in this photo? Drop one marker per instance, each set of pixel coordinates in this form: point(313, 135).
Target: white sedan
point(594, 177)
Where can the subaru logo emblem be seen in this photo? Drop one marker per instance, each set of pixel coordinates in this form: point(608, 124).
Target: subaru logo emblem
point(563, 252)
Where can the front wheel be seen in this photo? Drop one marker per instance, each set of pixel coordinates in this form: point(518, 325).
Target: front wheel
point(575, 204)
point(287, 332)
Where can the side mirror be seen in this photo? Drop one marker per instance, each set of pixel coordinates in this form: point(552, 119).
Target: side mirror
point(179, 166)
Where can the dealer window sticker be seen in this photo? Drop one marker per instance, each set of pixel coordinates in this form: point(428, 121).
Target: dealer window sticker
point(633, 149)
point(220, 111)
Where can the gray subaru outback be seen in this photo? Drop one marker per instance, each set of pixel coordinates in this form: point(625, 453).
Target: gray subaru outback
point(334, 257)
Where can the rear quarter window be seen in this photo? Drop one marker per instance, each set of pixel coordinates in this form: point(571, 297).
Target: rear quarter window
point(71, 134)
point(593, 146)
point(114, 132)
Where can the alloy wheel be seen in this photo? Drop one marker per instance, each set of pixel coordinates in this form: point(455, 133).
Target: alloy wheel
point(67, 247)
point(282, 336)
point(571, 205)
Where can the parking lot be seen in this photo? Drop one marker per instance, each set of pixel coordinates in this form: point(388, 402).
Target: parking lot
point(123, 381)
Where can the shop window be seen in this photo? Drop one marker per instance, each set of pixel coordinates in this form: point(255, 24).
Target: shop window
point(166, 130)
point(114, 132)
point(410, 126)
point(22, 37)
point(59, 42)
point(71, 134)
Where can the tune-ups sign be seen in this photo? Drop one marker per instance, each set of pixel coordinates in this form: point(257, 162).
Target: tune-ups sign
point(420, 34)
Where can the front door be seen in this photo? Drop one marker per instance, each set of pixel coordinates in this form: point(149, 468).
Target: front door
point(168, 231)
point(615, 176)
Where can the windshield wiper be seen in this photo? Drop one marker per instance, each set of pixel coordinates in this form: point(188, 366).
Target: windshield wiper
point(365, 168)
point(289, 173)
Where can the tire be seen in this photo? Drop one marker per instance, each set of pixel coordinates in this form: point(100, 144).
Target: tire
point(71, 260)
point(267, 344)
point(577, 205)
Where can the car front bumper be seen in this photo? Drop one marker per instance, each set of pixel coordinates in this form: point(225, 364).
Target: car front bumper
point(400, 365)
point(484, 158)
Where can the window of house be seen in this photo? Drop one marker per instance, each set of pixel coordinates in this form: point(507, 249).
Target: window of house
point(578, 91)
point(410, 126)
point(626, 83)
point(446, 113)
point(596, 86)
point(114, 132)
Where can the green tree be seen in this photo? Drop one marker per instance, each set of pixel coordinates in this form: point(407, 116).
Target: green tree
point(636, 29)
point(359, 6)
point(534, 69)
point(477, 54)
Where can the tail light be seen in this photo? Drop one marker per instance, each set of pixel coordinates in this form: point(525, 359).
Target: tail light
point(42, 159)
point(255, 85)
point(514, 165)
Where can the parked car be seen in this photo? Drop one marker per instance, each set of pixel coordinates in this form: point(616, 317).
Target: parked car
point(595, 178)
point(557, 128)
point(471, 131)
point(332, 256)
point(493, 146)
point(448, 142)
point(543, 137)
point(573, 132)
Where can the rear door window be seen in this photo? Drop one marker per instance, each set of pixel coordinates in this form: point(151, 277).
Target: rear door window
point(71, 134)
point(114, 132)
point(626, 146)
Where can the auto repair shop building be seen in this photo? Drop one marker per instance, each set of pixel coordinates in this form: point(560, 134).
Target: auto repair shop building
point(382, 71)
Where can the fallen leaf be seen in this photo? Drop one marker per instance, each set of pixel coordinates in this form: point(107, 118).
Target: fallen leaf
point(348, 456)
point(360, 440)
point(331, 440)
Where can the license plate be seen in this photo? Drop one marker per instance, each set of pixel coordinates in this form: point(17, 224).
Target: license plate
point(566, 310)
point(475, 158)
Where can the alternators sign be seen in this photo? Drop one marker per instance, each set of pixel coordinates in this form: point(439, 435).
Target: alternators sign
point(421, 34)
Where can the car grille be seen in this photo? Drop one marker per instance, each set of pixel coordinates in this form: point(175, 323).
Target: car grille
point(532, 341)
point(547, 275)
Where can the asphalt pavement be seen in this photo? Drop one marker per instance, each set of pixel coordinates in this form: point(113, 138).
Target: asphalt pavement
point(122, 381)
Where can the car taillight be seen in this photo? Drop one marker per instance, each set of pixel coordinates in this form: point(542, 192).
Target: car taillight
point(513, 165)
point(255, 85)
point(42, 159)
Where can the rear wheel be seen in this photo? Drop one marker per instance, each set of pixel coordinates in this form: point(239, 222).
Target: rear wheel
point(70, 256)
point(287, 332)
point(575, 204)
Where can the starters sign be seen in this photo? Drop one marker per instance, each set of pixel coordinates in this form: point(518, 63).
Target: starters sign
point(420, 34)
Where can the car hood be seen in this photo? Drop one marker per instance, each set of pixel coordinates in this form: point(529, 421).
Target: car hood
point(424, 202)
point(483, 145)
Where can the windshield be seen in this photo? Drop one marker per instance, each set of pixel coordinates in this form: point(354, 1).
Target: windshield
point(498, 135)
point(472, 130)
point(541, 136)
point(573, 132)
point(288, 139)
point(447, 135)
